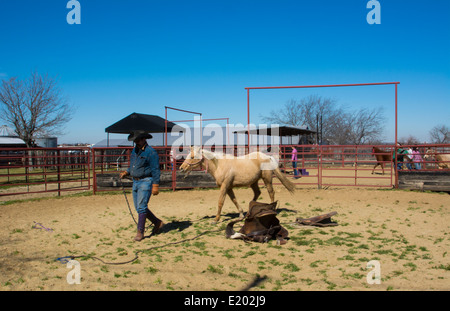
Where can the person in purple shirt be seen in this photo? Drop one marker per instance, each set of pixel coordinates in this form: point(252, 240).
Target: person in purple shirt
point(144, 169)
point(417, 158)
point(294, 162)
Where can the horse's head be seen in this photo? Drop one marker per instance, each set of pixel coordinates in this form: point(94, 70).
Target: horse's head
point(193, 160)
point(430, 153)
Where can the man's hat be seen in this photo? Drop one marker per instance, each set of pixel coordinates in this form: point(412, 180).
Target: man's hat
point(139, 134)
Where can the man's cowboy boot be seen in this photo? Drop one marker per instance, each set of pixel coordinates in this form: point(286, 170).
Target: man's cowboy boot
point(157, 223)
point(140, 227)
point(157, 227)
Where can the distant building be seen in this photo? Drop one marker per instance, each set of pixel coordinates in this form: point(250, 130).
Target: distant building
point(47, 142)
point(9, 139)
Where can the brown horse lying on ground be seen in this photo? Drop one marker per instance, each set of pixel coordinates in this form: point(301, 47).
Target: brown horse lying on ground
point(230, 171)
point(443, 160)
point(261, 225)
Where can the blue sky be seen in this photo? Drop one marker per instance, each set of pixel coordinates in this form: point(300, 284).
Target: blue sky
point(139, 56)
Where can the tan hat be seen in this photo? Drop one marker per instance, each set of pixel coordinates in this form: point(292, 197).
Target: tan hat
point(139, 134)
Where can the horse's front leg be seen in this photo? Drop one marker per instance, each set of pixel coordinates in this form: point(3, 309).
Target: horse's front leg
point(373, 170)
point(230, 193)
point(223, 192)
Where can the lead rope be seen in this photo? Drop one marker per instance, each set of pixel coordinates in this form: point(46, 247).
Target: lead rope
point(65, 259)
point(136, 253)
point(128, 203)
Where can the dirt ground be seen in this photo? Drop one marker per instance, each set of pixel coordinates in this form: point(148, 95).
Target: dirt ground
point(406, 232)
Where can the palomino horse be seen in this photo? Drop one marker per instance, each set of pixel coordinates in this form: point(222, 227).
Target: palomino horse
point(230, 171)
point(443, 160)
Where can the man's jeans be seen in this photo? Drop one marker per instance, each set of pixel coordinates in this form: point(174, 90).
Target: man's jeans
point(142, 190)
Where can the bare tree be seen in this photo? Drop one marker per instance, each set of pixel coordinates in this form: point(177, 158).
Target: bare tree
point(338, 126)
point(440, 134)
point(290, 114)
point(364, 126)
point(306, 112)
point(34, 106)
point(409, 140)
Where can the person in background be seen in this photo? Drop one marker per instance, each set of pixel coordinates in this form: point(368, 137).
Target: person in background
point(409, 158)
point(144, 169)
point(294, 163)
point(399, 153)
point(417, 158)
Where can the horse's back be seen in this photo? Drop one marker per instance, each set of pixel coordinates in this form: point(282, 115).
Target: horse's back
point(381, 154)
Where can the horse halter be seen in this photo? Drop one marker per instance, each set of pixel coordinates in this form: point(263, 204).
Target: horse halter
point(196, 163)
point(191, 165)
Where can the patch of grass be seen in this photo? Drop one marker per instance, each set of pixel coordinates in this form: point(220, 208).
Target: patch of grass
point(151, 270)
point(227, 253)
point(121, 251)
point(212, 269)
point(178, 258)
point(443, 267)
point(315, 264)
point(292, 267)
point(249, 253)
point(410, 265)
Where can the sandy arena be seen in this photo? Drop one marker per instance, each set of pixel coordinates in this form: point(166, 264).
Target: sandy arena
point(406, 232)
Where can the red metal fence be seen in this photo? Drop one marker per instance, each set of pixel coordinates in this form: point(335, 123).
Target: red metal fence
point(40, 170)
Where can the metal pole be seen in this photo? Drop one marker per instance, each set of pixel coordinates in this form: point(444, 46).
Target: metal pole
point(94, 186)
point(321, 133)
point(317, 129)
point(248, 119)
point(89, 167)
point(316, 86)
point(395, 147)
point(182, 110)
point(165, 128)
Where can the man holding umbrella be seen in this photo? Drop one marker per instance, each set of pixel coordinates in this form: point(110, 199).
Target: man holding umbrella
point(144, 169)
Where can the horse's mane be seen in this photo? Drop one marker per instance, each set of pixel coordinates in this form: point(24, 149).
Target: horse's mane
point(220, 155)
point(214, 155)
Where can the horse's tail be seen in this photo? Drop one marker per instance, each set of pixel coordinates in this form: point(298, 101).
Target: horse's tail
point(286, 182)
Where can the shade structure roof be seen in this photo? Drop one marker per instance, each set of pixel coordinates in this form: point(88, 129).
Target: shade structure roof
point(11, 141)
point(140, 121)
point(278, 131)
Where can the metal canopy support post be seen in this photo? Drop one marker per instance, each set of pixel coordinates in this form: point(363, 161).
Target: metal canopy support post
point(395, 147)
point(187, 111)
